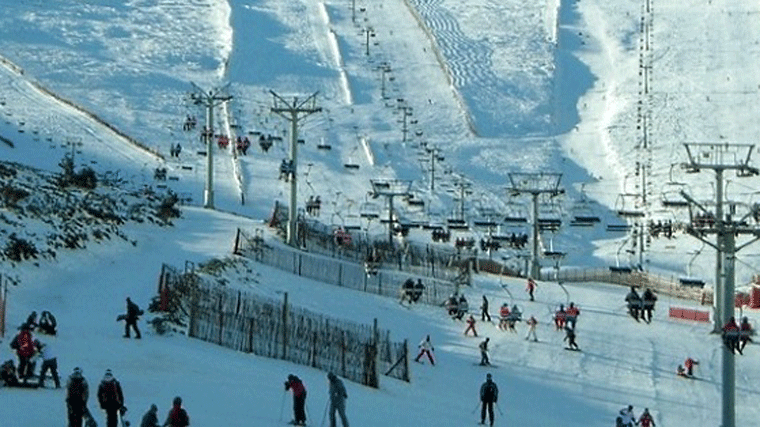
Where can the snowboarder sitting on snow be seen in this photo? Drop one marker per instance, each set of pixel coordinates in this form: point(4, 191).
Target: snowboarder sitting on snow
point(47, 323)
point(634, 303)
point(731, 335)
point(680, 371)
point(299, 399)
point(8, 374)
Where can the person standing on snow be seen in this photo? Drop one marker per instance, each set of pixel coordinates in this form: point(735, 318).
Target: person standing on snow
point(150, 419)
point(23, 343)
point(489, 394)
point(634, 303)
point(426, 348)
point(648, 300)
point(484, 361)
point(532, 322)
point(471, 326)
point(531, 287)
point(571, 315)
point(177, 416)
point(299, 399)
point(110, 398)
point(77, 392)
point(559, 318)
point(133, 314)
point(504, 315)
point(484, 310)
point(627, 416)
point(570, 338)
point(338, 398)
point(731, 335)
point(689, 364)
point(49, 362)
point(646, 419)
point(745, 333)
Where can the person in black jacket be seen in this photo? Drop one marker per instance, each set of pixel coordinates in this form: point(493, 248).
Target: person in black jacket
point(133, 314)
point(649, 299)
point(634, 303)
point(110, 398)
point(77, 392)
point(489, 394)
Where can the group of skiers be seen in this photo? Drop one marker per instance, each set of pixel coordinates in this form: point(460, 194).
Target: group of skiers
point(641, 307)
point(626, 418)
point(111, 400)
point(411, 291)
point(28, 351)
point(337, 393)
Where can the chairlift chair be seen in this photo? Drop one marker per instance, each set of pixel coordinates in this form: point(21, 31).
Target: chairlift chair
point(582, 215)
point(369, 210)
point(624, 211)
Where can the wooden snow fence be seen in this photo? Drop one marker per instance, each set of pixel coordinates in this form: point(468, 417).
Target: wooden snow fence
point(266, 327)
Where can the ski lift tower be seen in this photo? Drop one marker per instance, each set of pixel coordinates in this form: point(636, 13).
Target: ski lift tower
point(294, 112)
point(535, 184)
point(210, 100)
point(390, 188)
point(721, 157)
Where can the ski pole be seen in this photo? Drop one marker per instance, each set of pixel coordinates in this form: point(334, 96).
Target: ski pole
point(499, 408)
point(475, 408)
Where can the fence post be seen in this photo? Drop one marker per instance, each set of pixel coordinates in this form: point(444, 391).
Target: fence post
point(250, 335)
point(236, 247)
point(163, 292)
point(221, 317)
point(285, 327)
point(3, 305)
point(406, 361)
point(343, 352)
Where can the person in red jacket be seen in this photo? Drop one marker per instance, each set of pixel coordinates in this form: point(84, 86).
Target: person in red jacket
point(177, 416)
point(23, 343)
point(689, 364)
point(299, 399)
point(731, 335)
point(559, 318)
point(646, 419)
point(571, 315)
point(745, 332)
point(471, 326)
point(531, 287)
point(504, 316)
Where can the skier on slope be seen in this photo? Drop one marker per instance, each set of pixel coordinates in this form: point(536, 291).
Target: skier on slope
point(745, 333)
point(559, 317)
point(634, 303)
point(628, 418)
point(489, 394)
point(571, 315)
point(111, 398)
point(299, 399)
point(484, 310)
point(471, 326)
point(531, 287)
point(646, 419)
point(504, 316)
point(483, 346)
point(570, 338)
point(338, 398)
point(649, 299)
point(150, 419)
point(426, 348)
point(532, 322)
point(177, 416)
